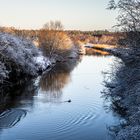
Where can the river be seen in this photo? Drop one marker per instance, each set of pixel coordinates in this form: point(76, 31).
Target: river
point(44, 113)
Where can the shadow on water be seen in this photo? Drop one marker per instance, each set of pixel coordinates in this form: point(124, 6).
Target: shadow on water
point(11, 104)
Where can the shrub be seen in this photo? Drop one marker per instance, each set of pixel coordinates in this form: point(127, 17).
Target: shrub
point(56, 44)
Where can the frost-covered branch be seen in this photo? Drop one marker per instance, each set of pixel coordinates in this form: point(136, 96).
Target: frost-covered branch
point(18, 57)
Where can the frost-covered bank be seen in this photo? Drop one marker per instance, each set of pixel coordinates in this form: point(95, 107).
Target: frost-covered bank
point(123, 88)
point(19, 58)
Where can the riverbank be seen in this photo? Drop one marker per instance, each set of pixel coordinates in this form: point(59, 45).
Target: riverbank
point(19, 58)
point(48, 113)
point(123, 89)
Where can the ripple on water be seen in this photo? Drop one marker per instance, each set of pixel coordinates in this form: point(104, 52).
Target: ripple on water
point(10, 118)
point(72, 121)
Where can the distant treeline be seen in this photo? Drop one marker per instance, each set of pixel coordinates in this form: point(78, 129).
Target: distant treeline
point(94, 37)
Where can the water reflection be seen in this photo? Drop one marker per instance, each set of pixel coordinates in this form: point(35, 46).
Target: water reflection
point(39, 111)
point(12, 104)
point(53, 82)
point(15, 102)
point(10, 118)
point(95, 52)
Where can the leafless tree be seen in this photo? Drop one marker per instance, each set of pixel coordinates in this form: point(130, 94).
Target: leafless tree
point(128, 19)
point(53, 25)
point(55, 42)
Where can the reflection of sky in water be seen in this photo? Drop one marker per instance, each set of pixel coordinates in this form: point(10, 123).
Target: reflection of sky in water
point(84, 118)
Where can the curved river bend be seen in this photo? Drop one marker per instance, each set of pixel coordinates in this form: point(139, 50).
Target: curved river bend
point(44, 114)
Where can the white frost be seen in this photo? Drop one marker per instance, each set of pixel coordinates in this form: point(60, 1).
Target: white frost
point(20, 55)
point(42, 62)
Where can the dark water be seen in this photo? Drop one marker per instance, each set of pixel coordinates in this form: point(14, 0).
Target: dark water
point(43, 113)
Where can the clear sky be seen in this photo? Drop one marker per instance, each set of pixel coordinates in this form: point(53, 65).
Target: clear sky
point(74, 14)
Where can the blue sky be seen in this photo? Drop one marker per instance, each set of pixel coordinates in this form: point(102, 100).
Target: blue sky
point(74, 14)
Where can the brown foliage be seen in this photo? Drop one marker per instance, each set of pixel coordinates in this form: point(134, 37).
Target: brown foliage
point(54, 43)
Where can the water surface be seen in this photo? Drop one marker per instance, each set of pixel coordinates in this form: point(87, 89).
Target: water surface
point(43, 113)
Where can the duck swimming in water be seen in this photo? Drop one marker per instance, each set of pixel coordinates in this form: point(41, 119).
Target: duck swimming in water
point(69, 101)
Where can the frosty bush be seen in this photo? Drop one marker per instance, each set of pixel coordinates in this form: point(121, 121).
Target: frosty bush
point(18, 57)
point(3, 72)
point(123, 88)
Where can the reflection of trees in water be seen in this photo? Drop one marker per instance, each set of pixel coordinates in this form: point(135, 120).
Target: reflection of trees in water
point(11, 100)
point(13, 97)
point(95, 52)
point(54, 81)
point(123, 88)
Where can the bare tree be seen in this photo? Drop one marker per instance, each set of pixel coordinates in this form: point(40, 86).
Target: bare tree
point(53, 25)
point(54, 41)
point(129, 14)
point(128, 19)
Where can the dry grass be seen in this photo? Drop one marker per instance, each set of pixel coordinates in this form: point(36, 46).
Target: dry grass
point(104, 46)
point(90, 51)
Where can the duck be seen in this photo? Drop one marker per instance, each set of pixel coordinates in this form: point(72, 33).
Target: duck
point(69, 101)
